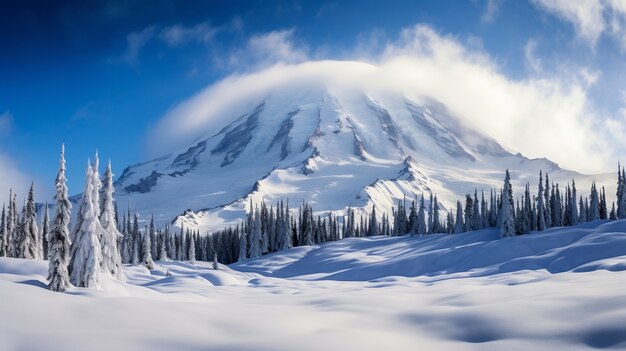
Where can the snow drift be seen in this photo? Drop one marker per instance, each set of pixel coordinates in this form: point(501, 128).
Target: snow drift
point(558, 289)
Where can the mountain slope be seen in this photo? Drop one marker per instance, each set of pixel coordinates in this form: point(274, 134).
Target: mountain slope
point(332, 145)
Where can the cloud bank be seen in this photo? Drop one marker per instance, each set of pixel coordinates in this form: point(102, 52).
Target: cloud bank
point(591, 18)
point(539, 117)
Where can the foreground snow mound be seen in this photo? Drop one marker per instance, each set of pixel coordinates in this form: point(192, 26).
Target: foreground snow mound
point(443, 292)
point(597, 245)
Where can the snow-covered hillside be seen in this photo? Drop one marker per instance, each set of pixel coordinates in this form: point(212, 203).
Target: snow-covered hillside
point(334, 145)
point(558, 289)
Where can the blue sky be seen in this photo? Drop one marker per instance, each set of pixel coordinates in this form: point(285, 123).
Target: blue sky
point(102, 74)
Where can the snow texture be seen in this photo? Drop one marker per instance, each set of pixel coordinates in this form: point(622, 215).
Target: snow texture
point(558, 289)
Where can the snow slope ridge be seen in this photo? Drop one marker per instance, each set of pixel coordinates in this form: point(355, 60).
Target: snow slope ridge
point(597, 245)
point(557, 290)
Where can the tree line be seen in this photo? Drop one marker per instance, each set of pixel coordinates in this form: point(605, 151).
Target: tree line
point(100, 243)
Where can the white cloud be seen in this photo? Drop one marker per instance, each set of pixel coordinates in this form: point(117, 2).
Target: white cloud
point(492, 8)
point(180, 35)
point(591, 18)
point(135, 43)
point(540, 117)
point(585, 15)
point(533, 63)
point(11, 177)
point(276, 46)
point(172, 36)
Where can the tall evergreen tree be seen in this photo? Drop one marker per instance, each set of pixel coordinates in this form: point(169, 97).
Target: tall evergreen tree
point(573, 208)
point(547, 203)
point(243, 245)
point(192, 249)
point(603, 208)
point(59, 236)
point(507, 217)
point(255, 235)
point(469, 213)
point(86, 253)
point(420, 224)
point(135, 257)
point(29, 247)
point(594, 203)
point(111, 259)
point(458, 223)
point(146, 249)
point(436, 220)
point(45, 229)
point(3, 232)
point(163, 245)
point(430, 214)
point(373, 230)
point(541, 217)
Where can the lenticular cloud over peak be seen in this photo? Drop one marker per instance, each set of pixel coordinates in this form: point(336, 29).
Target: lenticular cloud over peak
point(422, 64)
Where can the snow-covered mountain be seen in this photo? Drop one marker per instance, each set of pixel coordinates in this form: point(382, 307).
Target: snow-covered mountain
point(332, 145)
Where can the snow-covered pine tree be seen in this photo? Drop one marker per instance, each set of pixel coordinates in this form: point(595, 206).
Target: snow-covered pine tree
point(255, 235)
point(265, 248)
point(526, 211)
point(373, 226)
point(163, 245)
point(215, 264)
point(469, 213)
point(581, 208)
point(287, 238)
point(3, 232)
point(146, 248)
point(13, 248)
point(111, 260)
point(541, 217)
point(413, 217)
point(436, 220)
point(621, 209)
point(45, 229)
point(573, 209)
point(594, 203)
point(450, 222)
point(547, 203)
point(271, 230)
point(86, 253)
point(507, 217)
point(458, 223)
point(484, 210)
point(621, 206)
point(613, 214)
point(603, 208)
point(192, 249)
point(420, 221)
point(243, 245)
point(29, 247)
point(135, 257)
point(430, 214)
point(59, 236)
point(153, 243)
point(476, 212)
point(127, 248)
